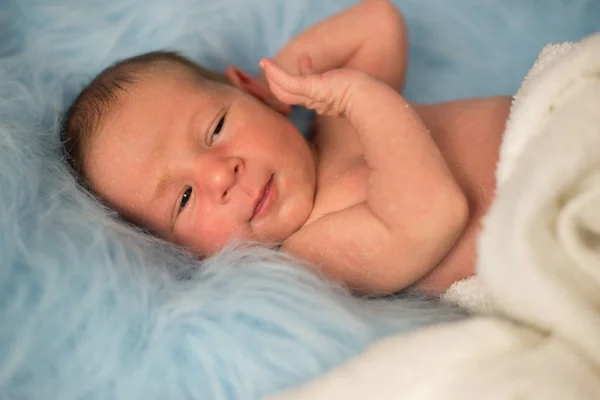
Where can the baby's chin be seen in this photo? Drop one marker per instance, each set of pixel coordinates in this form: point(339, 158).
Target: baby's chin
point(268, 234)
point(284, 226)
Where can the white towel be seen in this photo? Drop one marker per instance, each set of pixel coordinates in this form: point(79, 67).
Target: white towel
point(550, 77)
point(538, 265)
point(539, 254)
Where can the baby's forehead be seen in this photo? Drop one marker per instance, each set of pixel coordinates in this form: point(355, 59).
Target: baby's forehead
point(172, 85)
point(169, 74)
point(148, 107)
point(172, 88)
point(177, 80)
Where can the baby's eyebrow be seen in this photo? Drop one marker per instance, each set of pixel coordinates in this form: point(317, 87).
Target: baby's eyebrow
point(162, 186)
point(166, 178)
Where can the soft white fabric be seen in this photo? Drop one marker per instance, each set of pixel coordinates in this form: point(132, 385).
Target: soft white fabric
point(539, 265)
point(469, 294)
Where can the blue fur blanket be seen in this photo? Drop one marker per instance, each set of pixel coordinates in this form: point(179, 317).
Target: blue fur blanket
point(93, 309)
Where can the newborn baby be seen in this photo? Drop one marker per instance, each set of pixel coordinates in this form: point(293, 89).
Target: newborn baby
point(385, 195)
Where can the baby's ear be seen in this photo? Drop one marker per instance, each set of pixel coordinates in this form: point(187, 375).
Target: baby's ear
point(245, 82)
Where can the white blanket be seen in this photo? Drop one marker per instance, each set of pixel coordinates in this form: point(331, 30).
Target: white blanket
point(537, 335)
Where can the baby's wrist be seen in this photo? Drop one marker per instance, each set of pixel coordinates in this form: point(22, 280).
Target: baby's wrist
point(347, 85)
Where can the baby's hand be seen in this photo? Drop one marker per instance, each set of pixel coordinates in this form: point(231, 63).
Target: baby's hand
point(328, 93)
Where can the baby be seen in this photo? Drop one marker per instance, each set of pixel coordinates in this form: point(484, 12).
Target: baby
point(385, 196)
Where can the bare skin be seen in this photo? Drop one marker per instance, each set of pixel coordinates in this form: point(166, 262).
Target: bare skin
point(467, 132)
point(388, 195)
point(356, 185)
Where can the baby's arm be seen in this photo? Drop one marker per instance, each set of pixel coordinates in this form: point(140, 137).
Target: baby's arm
point(415, 211)
point(370, 36)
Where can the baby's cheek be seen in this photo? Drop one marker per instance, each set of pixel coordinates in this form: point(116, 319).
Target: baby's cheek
point(209, 236)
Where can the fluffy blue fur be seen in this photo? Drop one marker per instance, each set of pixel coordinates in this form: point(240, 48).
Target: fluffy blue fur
point(92, 309)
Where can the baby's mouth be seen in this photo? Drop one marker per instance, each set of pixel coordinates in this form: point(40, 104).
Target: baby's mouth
point(264, 201)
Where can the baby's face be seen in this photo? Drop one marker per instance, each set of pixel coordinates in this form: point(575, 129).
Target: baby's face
point(200, 165)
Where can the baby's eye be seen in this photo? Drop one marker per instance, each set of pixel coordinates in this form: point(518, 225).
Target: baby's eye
point(218, 129)
point(185, 198)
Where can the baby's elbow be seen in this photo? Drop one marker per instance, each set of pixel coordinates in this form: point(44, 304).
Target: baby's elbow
point(389, 52)
point(433, 234)
point(441, 220)
point(460, 207)
point(388, 12)
point(454, 214)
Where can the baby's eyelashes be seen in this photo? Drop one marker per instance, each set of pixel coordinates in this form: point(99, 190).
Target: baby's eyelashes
point(187, 194)
point(217, 129)
point(185, 198)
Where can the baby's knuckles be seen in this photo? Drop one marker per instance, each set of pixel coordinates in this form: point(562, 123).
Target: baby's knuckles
point(332, 91)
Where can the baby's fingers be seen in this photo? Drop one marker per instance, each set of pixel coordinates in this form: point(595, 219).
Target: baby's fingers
point(291, 89)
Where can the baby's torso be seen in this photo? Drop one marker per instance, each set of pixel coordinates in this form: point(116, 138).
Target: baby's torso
point(468, 133)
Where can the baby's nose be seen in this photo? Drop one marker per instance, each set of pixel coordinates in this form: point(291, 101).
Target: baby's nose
point(224, 178)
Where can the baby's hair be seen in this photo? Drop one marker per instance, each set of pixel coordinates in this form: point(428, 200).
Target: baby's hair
point(101, 95)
